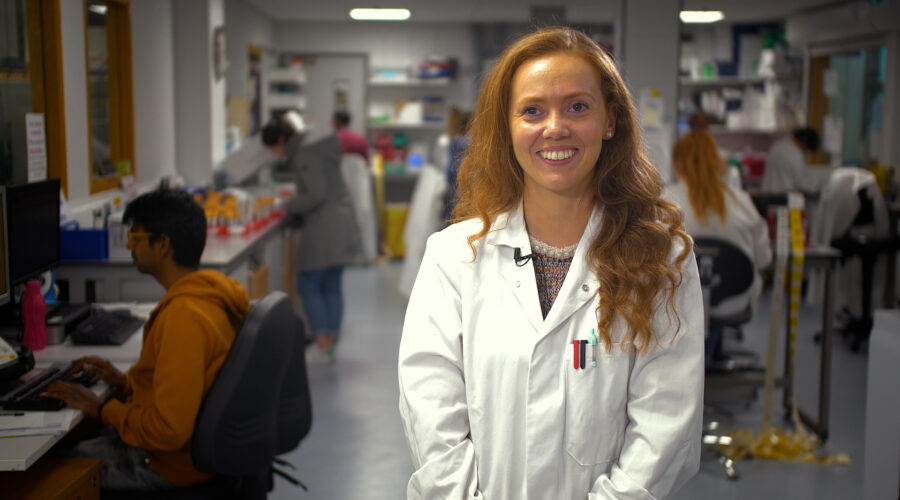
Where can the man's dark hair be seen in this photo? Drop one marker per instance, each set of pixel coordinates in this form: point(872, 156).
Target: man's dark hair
point(342, 117)
point(173, 213)
point(275, 130)
point(808, 138)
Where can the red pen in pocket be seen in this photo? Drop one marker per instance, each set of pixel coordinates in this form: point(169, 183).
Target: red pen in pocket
point(577, 347)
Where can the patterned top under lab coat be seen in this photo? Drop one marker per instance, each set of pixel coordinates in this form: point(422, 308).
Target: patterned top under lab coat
point(492, 405)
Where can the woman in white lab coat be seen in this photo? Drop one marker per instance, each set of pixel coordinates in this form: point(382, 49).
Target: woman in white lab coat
point(553, 343)
point(711, 207)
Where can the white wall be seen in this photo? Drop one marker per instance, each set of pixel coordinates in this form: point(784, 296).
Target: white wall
point(650, 60)
point(218, 114)
point(244, 26)
point(192, 39)
point(78, 169)
point(154, 89)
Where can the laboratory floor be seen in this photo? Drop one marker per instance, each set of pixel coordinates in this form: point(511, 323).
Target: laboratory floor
point(356, 449)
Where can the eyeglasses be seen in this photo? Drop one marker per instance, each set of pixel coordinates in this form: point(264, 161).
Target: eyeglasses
point(135, 235)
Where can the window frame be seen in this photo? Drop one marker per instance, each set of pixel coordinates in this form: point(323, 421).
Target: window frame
point(121, 92)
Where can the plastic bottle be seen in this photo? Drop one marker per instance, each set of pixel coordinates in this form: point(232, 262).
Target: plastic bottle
point(34, 309)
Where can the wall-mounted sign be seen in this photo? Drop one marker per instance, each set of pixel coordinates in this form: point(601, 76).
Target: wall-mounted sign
point(37, 147)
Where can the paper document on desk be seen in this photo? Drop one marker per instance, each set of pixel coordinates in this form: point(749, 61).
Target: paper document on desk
point(32, 423)
point(138, 309)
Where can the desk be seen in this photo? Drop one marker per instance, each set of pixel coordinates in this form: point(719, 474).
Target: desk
point(109, 281)
point(19, 453)
point(824, 258)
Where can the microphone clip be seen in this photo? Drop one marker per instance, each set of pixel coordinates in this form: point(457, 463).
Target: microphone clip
point(520, 259)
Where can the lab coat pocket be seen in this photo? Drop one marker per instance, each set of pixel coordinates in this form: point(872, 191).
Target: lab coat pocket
point(595, 408)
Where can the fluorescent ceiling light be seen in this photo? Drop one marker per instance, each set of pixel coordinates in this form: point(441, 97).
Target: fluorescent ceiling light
point(701, 16)
point(380, 14)
point(99, 9)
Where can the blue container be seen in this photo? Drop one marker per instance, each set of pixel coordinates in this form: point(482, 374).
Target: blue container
point(82, 244)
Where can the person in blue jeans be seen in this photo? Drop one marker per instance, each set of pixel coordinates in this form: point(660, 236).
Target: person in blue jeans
point(330, 235)
point(323, 300)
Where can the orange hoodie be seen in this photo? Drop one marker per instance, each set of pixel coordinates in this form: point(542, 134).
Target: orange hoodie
point(186, 340)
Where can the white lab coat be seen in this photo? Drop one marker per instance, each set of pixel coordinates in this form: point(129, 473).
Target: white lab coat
point(491, 404)
point(837, 208)
point(743, 226)
point(423, 219)
point(785, 167)
point(787, 170)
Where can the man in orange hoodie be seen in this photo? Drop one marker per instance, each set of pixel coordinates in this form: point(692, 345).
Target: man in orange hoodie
point(186, 340)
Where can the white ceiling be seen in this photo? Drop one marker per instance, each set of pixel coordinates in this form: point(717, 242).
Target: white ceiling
point(587, 11)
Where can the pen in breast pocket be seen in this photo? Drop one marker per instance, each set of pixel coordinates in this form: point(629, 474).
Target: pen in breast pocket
point(575, 344)
point(593, 342)
point(583, 353)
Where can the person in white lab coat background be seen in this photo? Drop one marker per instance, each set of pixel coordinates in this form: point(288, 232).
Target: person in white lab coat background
point(713, 208)
point(786, 165)
point(553, 342)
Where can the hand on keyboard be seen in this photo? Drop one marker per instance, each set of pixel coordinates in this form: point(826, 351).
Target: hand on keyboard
point(102, 368)
point(26, 393)
point(75, 395)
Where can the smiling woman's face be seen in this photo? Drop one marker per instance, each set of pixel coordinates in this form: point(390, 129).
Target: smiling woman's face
point(558, 120)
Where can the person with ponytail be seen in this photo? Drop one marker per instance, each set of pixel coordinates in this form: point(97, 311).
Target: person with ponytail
point(713, 208)
point(553, 342)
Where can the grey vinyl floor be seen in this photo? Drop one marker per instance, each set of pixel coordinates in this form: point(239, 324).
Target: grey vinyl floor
point(356, 448)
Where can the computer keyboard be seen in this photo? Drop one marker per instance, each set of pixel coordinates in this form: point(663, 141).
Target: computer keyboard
point(25, 392)
point(106, 326)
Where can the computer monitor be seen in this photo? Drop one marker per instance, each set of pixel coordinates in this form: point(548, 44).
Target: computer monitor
point(32, 216)
point(4, 260)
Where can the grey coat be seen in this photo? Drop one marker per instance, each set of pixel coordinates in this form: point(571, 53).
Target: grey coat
point(330, 234)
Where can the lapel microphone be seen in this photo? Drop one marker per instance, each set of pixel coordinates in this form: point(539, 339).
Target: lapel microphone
point(520, 259)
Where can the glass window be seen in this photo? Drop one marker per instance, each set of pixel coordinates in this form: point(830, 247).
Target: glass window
point(110, 108)
point(15, 91)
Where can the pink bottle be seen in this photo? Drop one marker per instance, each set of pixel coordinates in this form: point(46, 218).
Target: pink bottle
point(34, 308)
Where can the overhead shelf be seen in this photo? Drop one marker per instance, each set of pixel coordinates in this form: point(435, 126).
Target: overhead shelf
point(287, 101)
point(407, 126)
point(411, 82)
point(296, 76)
point(723, 81)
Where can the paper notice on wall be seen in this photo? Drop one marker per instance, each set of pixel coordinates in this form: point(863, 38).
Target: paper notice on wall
point(37, 147)
point(830, 82)
point(834, 135)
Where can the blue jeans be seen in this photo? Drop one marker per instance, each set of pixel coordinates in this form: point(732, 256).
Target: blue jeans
point(320, 290)
point(123, 467)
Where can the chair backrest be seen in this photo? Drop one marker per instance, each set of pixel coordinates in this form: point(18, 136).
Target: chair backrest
point(236, 430)
point(730, 268)
point(295, 405)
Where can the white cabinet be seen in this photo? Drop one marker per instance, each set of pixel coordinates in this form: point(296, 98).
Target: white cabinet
point(285, 90)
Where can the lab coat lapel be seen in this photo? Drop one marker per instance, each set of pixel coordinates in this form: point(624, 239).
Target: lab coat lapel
point(581, 284)
point(511, 234)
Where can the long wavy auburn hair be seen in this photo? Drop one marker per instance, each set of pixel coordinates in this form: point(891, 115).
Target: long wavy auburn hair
point(700, 167)
point(630, 255)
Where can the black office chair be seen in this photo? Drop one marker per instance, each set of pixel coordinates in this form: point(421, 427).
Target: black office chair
point(726, 271)
point(257, 407)
point(868, 247)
